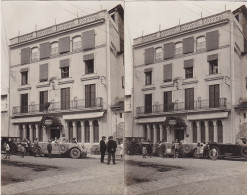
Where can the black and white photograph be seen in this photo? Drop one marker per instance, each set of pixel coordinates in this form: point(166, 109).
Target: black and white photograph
point(123, 97)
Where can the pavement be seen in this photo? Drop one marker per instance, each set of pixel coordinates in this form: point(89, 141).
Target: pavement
point(89, 176)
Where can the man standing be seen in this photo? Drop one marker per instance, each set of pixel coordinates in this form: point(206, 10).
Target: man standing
point(102, 149)
point(35, 147)
point(49, 148)
point(111, 149)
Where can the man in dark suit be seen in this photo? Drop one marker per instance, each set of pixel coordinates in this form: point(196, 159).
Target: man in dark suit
point(102, 149)
point(111, 149)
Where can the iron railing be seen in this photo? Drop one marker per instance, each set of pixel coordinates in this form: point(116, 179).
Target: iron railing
point(79, 104)
point(182, 106)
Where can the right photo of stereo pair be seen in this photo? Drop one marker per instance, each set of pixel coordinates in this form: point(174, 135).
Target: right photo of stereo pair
point(185, 98)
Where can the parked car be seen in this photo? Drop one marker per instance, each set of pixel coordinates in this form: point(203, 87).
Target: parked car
point(74, 150)
point(228, 151)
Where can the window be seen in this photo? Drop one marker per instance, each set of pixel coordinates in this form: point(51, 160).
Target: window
point(213, 67)
point(87, 132)
point(194, 132)
point(76, 43)
point(200, 43)
point(24, 103)
point(54, 49)
point(214, 96)
point(158, 54)
point(202, 132)
point(148, 78)
point(211, 131)
point(90, 93)
point(220, 131)
point(65, 72)
point(189, 72)
point(95, 131)
point(78, 131)
point(43, 98)
point(43, 72)
point(148, 103)
point(34, 54)
point(189, 99)
point(149, 56)
point(120, 115)
point(24, 78)
point(178, 49)
point(89, 66)
point(65, 98)
point(168, 105)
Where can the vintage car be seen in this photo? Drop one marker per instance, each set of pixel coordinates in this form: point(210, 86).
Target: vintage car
point(61, 148)
point(227, 151)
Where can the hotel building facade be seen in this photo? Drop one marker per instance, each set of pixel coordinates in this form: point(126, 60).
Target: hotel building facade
point(65, 79)
point(188, 80)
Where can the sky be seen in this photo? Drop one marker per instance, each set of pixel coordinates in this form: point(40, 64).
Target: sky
point(143, 17)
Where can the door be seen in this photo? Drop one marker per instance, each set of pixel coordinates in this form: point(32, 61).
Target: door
point(168, 101)
point(148, 103)
point(179, 135)
point(55, 133)
point(90, 96)
point(214, 96)
point(65, 98)
point(189, 99)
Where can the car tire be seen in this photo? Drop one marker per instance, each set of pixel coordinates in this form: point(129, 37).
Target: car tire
point(211, 156)
point(244, 151)
point(75, 153)
point(62, 148)
point(186, 149)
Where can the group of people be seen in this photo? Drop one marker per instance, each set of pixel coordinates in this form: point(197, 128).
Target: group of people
point(110, 147)
point(202, 150)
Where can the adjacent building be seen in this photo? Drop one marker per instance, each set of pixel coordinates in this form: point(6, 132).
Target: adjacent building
point(188, 80)
point(4, 115)
point(66, 78)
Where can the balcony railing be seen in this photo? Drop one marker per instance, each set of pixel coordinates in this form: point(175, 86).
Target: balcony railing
point(182, 106)
point(79, 104)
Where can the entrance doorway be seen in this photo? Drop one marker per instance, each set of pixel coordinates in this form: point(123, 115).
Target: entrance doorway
point(55, 132)
point(179, 135)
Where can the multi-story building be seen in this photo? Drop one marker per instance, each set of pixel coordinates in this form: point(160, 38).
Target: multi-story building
point(66, 77)
point(4, 115)
point(188, 80)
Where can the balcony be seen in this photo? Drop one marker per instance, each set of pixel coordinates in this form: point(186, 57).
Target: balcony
point(182, 107)
point(74, 105)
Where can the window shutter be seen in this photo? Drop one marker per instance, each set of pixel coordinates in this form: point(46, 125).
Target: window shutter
point(88, 57)
point(64, 63)
point(167, 72)
point(217, 96)
point(88, 40)
point(64, 44)
point(169, 50)
point(188, 63)
point(25, 55)
point(45, 50)
point(92, 95)
point(211, 96)
point(212, 40)
point(43, 72)
point(149, 55)
point(212, 57)
point(188, 45)
point(87, 95)
point(67, 98)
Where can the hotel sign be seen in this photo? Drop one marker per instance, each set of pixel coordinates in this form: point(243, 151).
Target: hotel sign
point(172, 122)
point(48, 122)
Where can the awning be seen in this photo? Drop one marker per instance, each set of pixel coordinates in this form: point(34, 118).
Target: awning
point(207, 116)
point(151, 120)
point(83, 116)
point(26, 120)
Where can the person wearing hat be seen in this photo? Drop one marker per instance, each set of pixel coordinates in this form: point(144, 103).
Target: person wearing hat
point(111, 149)
point(102, 149)
point(49, 148)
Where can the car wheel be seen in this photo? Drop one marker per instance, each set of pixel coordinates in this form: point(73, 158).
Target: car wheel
point(186, 149)
point(213, 153)
point(75, 153)
point(39, 152)
point(244, 151)
point(62, 148)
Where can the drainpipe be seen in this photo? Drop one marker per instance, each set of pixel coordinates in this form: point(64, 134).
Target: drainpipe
point(232, 75)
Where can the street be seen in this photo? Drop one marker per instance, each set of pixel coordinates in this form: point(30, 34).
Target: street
point(142, 176)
